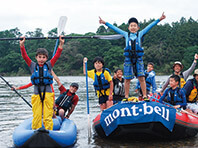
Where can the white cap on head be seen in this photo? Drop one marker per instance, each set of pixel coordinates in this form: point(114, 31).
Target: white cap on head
point(178, 63)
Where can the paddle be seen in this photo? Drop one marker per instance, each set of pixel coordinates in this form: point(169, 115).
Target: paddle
point(16, 91)
point(89, 124)
point(61, 27)
point(105, 37)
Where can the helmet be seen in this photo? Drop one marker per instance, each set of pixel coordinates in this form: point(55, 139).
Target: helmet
point(195, 72)
point(178, 63)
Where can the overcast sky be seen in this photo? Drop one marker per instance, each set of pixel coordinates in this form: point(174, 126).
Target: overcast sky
point(83, 14)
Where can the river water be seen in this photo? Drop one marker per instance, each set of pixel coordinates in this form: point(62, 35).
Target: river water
point(13, 111)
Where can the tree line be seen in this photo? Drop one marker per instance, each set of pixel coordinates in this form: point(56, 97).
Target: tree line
point(163, 45)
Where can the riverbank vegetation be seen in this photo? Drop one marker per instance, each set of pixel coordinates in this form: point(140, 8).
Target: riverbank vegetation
point(163, 45)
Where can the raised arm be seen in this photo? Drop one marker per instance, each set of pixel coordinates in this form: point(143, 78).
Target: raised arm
point(116, 29)
point(58, 52)
point(24, 53)
point(145, 30)
point(192, 67)
point(56, 78)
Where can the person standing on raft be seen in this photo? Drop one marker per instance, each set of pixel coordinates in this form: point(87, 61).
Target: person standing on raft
point(43, 98)
point(133, 64)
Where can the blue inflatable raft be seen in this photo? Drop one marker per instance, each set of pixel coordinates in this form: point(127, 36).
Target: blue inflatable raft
point(64, 134)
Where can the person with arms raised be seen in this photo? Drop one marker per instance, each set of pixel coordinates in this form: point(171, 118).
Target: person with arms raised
point(133, 64)
point(43, 97)
point(178, 67)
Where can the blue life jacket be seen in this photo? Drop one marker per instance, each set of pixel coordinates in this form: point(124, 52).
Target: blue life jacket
point(64, 101)
point(41, 75)
point(174, 97)
point(148, 79)
point(133, 49)
point(100, 83)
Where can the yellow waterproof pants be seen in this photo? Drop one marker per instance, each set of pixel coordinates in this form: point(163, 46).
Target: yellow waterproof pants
point(45, 109)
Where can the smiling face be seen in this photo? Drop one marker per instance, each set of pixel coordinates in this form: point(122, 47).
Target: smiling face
point(41, 59)
point(177, 68)
point(133, 27)
point(73, 89)
point(98, 65)
point(149, 68)
point(173, 83)
point(119, 74)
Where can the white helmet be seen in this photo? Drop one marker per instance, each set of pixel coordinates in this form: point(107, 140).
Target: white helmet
point(178, 63)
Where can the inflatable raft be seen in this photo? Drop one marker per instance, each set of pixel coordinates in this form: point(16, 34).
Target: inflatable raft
point(122, 122)
point(64, 134)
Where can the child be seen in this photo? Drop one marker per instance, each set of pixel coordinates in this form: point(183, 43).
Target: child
point(118, 86)
point(174, 94)
point(102, 82)
point(133, 65)
point(150, 81)
point(43, 97)
point(67, 100)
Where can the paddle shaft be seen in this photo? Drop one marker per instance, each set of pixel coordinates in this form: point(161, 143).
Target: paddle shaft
point(105, 37)
point(41, 38)
point(16, 92)
point(60, 29)
point(89, 124)
point(87, 88)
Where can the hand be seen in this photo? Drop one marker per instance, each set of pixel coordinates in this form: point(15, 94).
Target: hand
point(67, 116)
point(136, 90)
point(14, 88)
point(101, 21)
point(62, 41)
point(162, 17)
point(22, 41)
point(110, 97)
point(85, 60)
point(109, 103)
point(177, 106)
point(196, 56)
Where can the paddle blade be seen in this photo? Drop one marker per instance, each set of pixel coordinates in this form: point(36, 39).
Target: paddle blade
point(61, 24)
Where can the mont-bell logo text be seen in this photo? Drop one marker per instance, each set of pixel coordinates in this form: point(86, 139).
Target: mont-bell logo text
point(136, 111)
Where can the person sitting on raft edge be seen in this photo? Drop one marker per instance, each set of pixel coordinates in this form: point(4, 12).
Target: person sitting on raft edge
point(67, 100)
point(174, 95)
